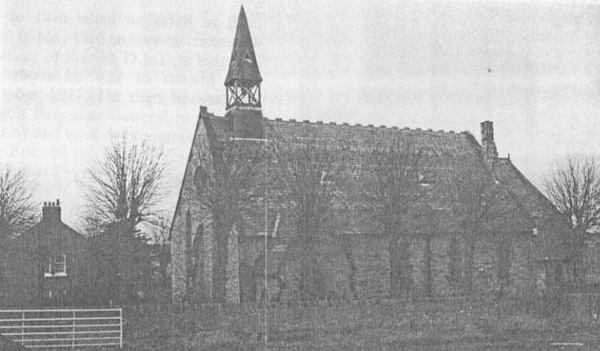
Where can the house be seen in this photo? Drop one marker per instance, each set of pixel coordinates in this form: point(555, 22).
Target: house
point(48, 265)
point(460, 220)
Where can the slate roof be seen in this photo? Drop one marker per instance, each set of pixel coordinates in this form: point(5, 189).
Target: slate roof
point(30, 238)
point(539, 207)
point(243, 65)
point(443, 149)
point(552, 241)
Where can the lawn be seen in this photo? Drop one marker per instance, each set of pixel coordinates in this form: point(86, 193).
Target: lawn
point(450, 325)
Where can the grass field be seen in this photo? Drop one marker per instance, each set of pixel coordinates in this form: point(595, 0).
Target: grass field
point(391, 325)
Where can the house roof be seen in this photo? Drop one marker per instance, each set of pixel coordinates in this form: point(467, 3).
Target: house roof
point(29, 240)
point(243, 65)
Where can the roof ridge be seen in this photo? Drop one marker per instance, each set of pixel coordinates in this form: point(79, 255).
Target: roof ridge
point(367, 126)
point(538, 193)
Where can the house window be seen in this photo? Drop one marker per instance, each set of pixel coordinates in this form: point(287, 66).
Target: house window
point(60, 265)
point(56, 266)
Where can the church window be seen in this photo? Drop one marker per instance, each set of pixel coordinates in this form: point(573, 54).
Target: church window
point(197, 263)
point(454, 260)
point(504, 261)
point(188, 230)
point(200, 178)
point(558, 274)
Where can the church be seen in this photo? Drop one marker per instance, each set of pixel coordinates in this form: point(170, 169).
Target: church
point(287, 210)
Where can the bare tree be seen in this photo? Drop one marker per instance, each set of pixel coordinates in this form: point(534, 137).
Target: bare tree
point(123, 188)
point(476, 206)
point(228, 183)
point(574, 188)
point(392, 190)
point(429, 221)
point(316, 180)
point(125, 184)
point(17, 210)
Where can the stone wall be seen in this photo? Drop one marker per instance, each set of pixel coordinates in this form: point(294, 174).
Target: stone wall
point(372, 266)
point(354, 264)
point(189, 203)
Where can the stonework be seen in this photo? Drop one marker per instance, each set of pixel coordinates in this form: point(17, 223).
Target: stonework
point(232, 284)
point(189, 202)
point(520, 245)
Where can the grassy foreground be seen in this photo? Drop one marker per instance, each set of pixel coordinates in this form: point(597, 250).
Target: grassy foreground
point(456, 325)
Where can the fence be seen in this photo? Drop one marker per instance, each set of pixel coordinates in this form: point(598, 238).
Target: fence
point(63, 328)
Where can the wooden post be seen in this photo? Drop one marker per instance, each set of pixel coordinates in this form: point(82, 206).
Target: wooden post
point(73, 332)
point(121, 327)
point(23, 328)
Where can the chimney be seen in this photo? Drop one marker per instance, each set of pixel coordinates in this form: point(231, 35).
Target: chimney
point(51, 211)
point(487, 141)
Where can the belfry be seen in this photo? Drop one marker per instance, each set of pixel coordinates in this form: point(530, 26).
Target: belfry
point(242, 85)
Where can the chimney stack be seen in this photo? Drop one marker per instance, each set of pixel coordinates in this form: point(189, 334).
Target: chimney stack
point(51, 211)
point(487, 141)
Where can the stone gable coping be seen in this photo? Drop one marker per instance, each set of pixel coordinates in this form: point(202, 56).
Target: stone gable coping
point(205, 111)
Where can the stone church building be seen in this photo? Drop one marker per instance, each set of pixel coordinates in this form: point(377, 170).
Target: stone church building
point(287, 210)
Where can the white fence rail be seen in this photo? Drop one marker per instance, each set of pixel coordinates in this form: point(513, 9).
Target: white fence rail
point(63, 328)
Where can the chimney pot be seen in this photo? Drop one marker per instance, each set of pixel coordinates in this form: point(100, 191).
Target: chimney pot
point(51, 212)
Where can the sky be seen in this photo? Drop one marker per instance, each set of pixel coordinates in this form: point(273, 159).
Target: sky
point(76, 73)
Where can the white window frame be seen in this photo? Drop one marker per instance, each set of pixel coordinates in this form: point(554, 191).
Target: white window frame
point(60, 265)
point(57, 266)
point(48, 269)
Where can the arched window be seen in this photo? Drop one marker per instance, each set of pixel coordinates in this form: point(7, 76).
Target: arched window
point(188, 247)
point(504, 251)
point(188, 230)
point(454, 261)
point(198, 258)
point(199, 178)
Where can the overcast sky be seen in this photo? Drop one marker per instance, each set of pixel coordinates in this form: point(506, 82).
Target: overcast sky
point(73, 73)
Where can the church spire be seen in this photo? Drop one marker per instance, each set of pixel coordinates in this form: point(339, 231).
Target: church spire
point(243, 78)
point(242, 86)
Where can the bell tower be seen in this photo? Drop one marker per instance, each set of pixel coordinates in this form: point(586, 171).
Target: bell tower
point(243, 79)
point(242, 86)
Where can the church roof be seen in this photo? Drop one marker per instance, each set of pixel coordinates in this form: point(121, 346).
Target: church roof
point(552, 240)
point(444, 149)
point(243, 65)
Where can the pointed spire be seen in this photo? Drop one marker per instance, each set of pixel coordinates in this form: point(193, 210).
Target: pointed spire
point(243, 65)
